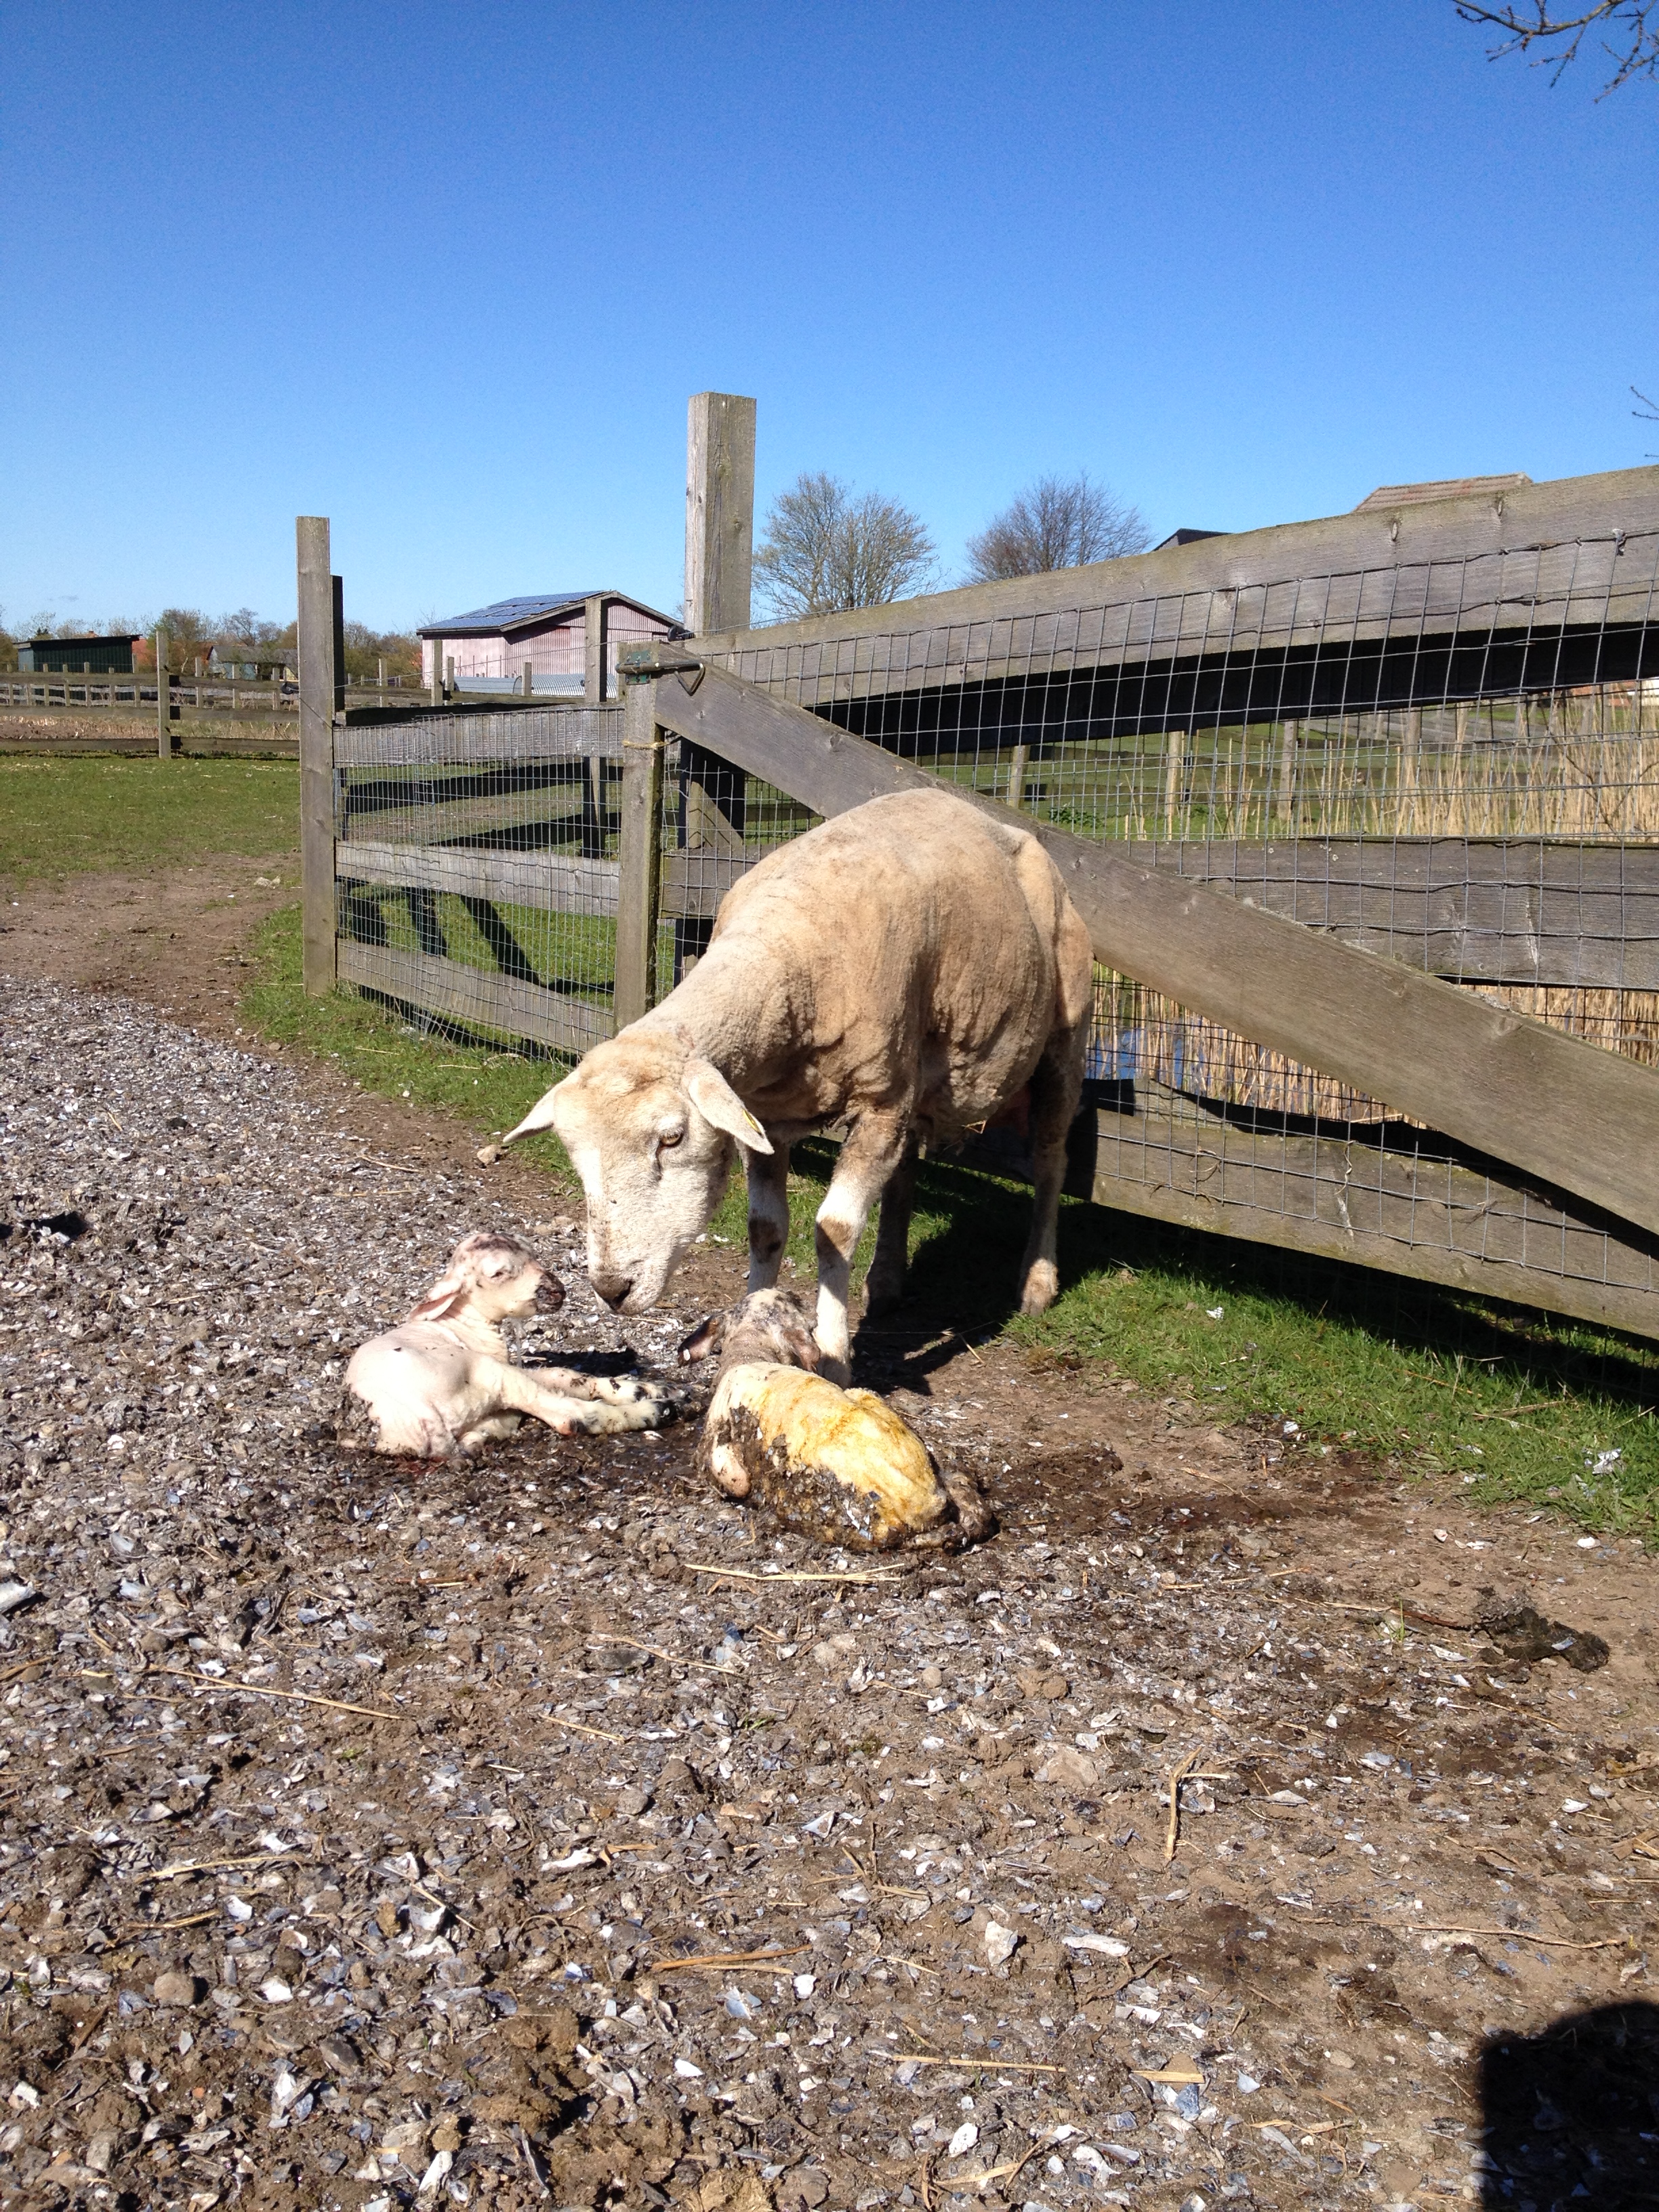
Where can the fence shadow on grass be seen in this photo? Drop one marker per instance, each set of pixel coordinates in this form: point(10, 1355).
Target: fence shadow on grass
point(1572, 2113)
point(973, 1224)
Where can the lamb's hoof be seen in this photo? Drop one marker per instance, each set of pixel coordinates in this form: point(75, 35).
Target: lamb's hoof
point(1042, 1287)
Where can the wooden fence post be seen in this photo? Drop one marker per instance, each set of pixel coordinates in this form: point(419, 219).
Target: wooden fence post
point(163, 699)
point(595, 631)
point(719, 536)
point(529, 680)
point(719, 510)
point(1174, 781)
point(639, 876)
point(1288, 745)
point(319, 674)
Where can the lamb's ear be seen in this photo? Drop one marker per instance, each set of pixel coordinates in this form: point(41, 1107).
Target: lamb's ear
point(441, 1300)
point(719, 1104)
point(705, 1340)
point(542, 1116)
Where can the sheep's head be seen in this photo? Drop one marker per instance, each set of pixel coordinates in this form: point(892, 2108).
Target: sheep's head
point(498, 1277)
point(650, 1128)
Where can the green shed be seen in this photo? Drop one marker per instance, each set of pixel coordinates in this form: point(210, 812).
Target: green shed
point(104, 655)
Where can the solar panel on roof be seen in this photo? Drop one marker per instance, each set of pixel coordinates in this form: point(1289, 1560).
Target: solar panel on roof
point(504, 613)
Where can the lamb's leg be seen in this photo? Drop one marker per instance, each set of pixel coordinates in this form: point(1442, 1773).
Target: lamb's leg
point(768, 1215)
point(1056, 1086)
point(588, 1414)
point(885, 1285)
point(614, 1389)
point(870, 1156)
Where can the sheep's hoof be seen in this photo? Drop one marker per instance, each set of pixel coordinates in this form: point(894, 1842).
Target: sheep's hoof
point(882, 1296)
point(1042, 1287)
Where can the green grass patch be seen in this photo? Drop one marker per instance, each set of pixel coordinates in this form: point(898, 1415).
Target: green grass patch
point(60, 816)
point(1517, 1406)
point(1505, 1405)
point(489, 1088)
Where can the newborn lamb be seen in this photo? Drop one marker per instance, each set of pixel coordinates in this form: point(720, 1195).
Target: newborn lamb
point(441, 1385)
point(838, 1464)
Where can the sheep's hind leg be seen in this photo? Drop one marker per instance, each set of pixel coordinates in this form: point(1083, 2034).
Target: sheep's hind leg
point(1056, 1086)
point(768, 1215)
point(885, 1285)
point(872, 1155)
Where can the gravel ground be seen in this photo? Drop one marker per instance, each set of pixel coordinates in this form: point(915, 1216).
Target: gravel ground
point(553, 1833)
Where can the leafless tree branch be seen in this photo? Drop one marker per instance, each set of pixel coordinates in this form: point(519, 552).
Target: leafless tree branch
point(1559, 34)
point(1058, 522)
point(825, 552)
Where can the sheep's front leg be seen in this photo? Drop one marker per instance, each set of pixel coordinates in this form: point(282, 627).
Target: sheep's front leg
point(872, 1155)
point(768, 1215)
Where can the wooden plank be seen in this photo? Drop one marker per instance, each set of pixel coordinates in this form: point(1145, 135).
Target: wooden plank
point(1511, 910)
point(1381, 541)
point(551, 881)
point(640, 844)
point(474, 997)
point(593, 640)
point(1434, 1221)
point(554, 882)
point(1583, 1119)
point(464, 736)
point(553, 809)
point(719, 510)
point(318, 680)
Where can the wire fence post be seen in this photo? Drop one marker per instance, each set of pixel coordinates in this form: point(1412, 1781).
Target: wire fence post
point(319, 691)
point(640, 875)
point(163, 699)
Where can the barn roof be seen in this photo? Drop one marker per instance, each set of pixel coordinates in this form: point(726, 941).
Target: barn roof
point(503, 617)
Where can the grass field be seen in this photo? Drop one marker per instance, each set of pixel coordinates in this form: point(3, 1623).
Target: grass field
point(59, 817)
point(1517, 1407)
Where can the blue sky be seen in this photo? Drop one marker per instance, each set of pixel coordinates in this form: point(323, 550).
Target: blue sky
point(448, 274)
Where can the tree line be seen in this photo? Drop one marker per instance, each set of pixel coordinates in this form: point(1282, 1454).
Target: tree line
point(241, 635)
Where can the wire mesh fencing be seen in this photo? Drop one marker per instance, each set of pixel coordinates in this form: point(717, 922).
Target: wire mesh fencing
point(476, 868)
point(1451, 763)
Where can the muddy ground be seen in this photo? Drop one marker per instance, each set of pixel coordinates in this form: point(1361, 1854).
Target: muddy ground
point(557, 1834)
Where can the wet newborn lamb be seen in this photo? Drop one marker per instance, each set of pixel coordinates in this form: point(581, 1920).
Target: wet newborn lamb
point(441, 1385)
point(838, 1464)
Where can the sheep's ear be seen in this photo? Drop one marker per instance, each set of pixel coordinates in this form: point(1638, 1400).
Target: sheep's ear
point(441, 1300)
point(705, 1340)
point(542, 1116)
point(720, 1104)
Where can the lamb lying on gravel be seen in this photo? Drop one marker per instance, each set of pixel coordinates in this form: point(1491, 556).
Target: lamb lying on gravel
point(441, 1385)
point(838, 1464)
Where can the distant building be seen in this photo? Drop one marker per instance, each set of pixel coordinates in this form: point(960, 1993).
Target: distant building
point(103, 655)
point(490, 646)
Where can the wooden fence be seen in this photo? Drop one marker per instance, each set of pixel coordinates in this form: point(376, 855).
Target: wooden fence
point(543, 873)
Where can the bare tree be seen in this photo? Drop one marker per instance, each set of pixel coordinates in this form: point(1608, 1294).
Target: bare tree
point(1058, 522)
point(826, 551)
point(1557, 33)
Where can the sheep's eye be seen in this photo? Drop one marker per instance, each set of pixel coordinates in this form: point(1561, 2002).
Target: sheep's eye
point(670, 1138)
